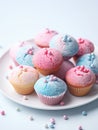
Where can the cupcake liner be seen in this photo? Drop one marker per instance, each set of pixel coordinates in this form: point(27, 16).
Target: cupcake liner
point(79, 91)
point(51, 100)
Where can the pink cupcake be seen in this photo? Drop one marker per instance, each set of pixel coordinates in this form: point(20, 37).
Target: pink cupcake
point(80, 80)
point(85, 46)
point(47, 60)
point(23, 79)
point(43, 38)
point(66, 65)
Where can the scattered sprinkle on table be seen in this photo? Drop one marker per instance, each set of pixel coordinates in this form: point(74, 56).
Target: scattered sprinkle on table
point(10, 67)
point(6, 77)
point(52, 120)
point(46, 126)
point(31, 118)
point(84, 113)
point(65, 117)
point(2, 112)
point(51, 126)
point(80, 128)
point(18, 109)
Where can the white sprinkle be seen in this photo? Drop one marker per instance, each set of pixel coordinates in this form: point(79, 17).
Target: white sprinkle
point(25, 98)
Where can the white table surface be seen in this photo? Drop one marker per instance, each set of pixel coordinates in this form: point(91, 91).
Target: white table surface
point(23, 19)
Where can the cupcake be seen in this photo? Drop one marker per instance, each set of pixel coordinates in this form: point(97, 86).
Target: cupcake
point(43, 38)
point(66, 44)
point(14, 49)
point(47, 60)
point(90, 61)
point(50, 89)
point(23, 79)
point(85, 47)
point(25, 54)
point(65, 66)
point(80, 80)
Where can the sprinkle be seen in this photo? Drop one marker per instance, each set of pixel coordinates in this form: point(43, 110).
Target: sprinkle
point(21, 66)
point(80, 128)
point(52, 126)
point(46, 126)
point(80, 40)
point(92, 65)
point(84, 113)
point(45, 81)
point(31, 118)
point(69, 39)
point(6, 77)
point(52, 120)
point(11, 67)
point(62, 103)
point(2, 112)
point(30, 51)
point(25, 98)
point(18, 109)
point(65, 117)
point(50, 53)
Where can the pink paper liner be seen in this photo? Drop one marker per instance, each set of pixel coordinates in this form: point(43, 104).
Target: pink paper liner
point(51, 100)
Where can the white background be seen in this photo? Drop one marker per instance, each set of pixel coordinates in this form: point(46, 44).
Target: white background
point(23, 19)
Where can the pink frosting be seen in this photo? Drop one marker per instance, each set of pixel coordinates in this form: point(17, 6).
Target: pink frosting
point(85, 46)
point(80, 76)
point(24, 75)
point(47, 58)
point(66, 65)
point(43, 38)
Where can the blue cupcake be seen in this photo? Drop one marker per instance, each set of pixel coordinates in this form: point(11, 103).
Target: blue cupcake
point(50, 89)
point(66, 44)
point(90, 61)
point(24, 55)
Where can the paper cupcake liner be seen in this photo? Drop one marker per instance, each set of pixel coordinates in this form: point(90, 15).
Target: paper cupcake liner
point(51, 100)
point(79, 91)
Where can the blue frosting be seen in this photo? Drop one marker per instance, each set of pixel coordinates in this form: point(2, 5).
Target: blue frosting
point(50, 86)
point(90, 61)
point(69, 48)
point(23, 57)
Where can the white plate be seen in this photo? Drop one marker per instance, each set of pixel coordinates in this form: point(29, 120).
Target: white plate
point(33, 101)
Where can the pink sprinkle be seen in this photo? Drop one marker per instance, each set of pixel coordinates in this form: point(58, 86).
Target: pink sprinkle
point(21, 66)
point(11, 67)
point(80, 128)
point(50, 53)
point(46, 52)
point(2, 113)
point(80, 40)
point(52, 120)
point(65, 117)
point(30, 51)
point(62, 103)
point(82, 68)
